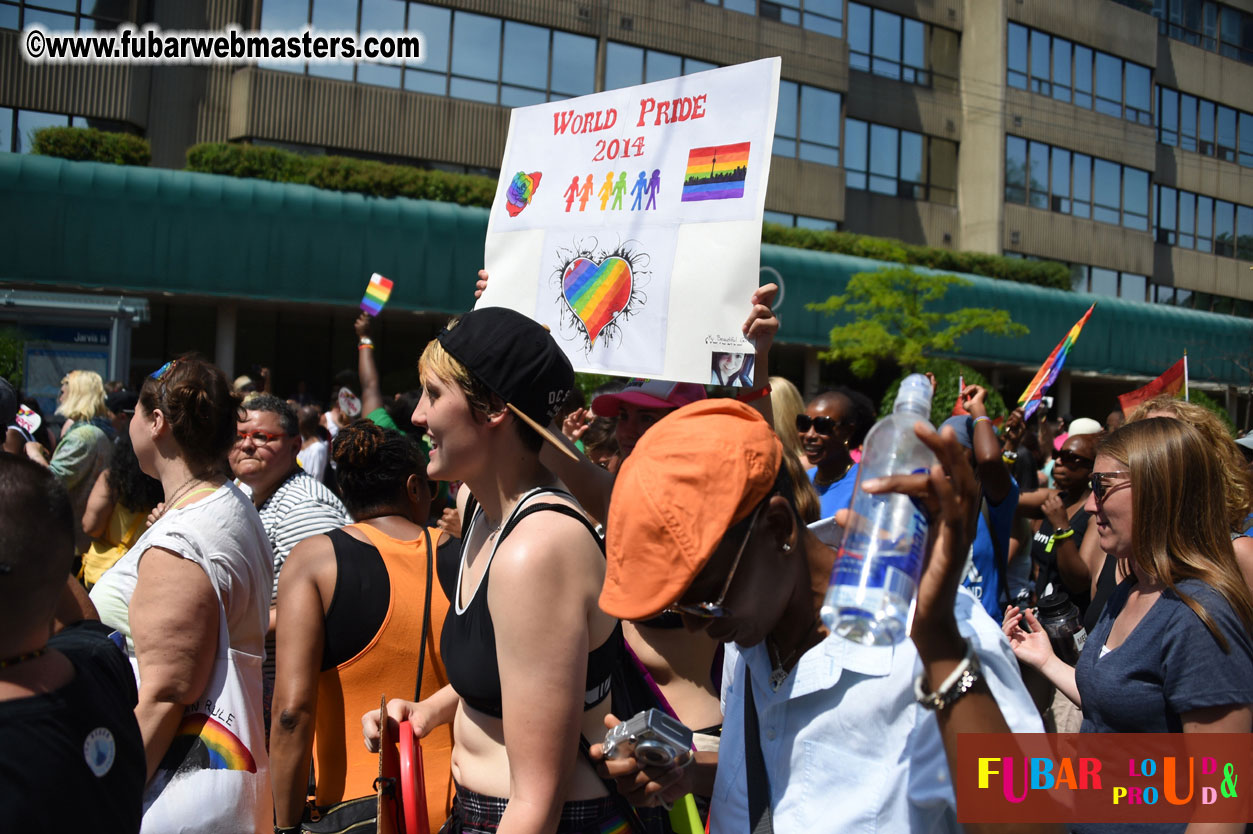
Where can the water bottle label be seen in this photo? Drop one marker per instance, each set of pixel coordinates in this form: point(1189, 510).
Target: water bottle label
point(1080, 638)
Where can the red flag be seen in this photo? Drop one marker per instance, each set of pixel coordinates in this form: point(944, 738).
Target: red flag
point(1171, 382)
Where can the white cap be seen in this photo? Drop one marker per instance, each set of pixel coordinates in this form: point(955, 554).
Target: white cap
point(1084, 425)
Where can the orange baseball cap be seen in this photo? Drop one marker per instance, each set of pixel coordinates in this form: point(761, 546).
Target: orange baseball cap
point(692, 476)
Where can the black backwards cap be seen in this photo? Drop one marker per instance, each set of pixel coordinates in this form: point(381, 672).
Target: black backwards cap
point(518, 360)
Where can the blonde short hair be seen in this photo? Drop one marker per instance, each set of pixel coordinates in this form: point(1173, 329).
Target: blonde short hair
point(786, 403)
point(84, 396)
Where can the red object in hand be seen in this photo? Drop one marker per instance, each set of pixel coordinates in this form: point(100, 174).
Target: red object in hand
point(412, 795)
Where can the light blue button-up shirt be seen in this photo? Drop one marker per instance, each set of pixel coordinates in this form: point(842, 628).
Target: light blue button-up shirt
point(846, 746)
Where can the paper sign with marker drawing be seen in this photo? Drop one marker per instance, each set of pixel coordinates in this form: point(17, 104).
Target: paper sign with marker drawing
point(629, 221)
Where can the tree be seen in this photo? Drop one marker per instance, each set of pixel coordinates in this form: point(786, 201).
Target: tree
point(12, 353)
point(891, 319)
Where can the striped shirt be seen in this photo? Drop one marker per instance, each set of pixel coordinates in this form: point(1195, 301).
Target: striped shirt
point(301, 507)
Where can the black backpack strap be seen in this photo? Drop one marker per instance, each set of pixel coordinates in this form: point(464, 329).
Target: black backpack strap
point(564, 509)
point(426, 613)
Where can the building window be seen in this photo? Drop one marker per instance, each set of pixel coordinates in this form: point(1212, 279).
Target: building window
point(626, 66)
point(469, 56)
point(800, 221)
point(1203, 126)
point(1206, 224)
point(808, 123)
point(902, 163)
point(70, 15)
point(1209, 25)
point(888, 44)
point(1109, 282)
point(1088, 78)
point(1060, 180)
point(825, 16)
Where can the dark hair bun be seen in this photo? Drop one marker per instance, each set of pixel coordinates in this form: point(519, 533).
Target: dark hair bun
point(200, 406)
point(357, 444)
point(373, 465)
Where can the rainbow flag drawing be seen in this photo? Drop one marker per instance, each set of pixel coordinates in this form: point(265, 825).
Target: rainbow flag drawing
point(1052, 366)
point(716, 173)
point(213, 744)
point(376, 294)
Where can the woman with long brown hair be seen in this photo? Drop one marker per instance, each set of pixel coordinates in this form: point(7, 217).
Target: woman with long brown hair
point(1172, 651)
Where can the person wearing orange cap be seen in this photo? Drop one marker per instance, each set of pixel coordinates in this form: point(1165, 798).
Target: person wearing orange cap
point(847, 736)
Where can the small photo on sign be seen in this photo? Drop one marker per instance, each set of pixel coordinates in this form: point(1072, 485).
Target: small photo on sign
point(734, 370)
point(716, 173)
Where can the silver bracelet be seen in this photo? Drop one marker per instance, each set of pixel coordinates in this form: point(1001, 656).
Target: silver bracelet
point(958, 683)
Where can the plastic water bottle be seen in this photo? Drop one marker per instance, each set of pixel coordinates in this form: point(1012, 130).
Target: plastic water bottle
point(870, 598)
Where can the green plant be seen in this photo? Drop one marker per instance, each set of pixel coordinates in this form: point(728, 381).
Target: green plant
point(892, 319)
point(12, 354)
point(588, 383)
point(1201, 398)
point(1040, 273)
point(948, 373)
point(341, 173)
point(91, 145)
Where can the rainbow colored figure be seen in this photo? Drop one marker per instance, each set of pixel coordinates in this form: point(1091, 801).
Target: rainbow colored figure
point(597, 293)
point(520, 192)
point(224, 749)
point(376, 294)
point(716, 173)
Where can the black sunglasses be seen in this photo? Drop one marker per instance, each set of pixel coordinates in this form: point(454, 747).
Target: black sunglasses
point(822, 425)
point(1073, 461)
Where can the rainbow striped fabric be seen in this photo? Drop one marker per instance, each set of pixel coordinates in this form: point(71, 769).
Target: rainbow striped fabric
point(716, 173)
point(1047, 375)
point(376, 294)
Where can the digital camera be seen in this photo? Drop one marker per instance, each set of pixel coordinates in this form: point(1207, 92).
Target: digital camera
point(652, 737)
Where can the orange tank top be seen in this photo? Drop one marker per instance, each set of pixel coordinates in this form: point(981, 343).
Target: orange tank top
point(387, 666)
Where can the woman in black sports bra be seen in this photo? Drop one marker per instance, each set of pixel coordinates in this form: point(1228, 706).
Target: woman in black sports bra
point(527, 650)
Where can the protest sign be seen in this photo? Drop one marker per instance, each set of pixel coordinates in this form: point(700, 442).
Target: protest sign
point(629, 221)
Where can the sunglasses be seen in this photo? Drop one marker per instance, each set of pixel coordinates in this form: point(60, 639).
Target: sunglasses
point(1100, 483)
point(258, 437)
point(822, 425)
point(715, 609)
point(1073, 461)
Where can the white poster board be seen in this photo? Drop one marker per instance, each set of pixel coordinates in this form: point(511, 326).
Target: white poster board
point(629, 221)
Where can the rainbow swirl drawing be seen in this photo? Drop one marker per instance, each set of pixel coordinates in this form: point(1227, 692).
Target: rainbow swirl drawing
point(225, 750)
point(597, 293)
point(520, 192)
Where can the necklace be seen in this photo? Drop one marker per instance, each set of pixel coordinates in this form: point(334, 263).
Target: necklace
point(16, 659)
point(826, 482)
point(779, 666)
point(178, 493)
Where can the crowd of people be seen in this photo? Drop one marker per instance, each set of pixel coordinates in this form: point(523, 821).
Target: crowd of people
point(206, 590)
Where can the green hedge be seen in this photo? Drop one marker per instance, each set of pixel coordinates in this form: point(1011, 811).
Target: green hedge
point(1041, 273)
point(339, 173)
point(91, 145)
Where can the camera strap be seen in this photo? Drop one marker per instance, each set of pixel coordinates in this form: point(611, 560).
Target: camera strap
point(760, 817)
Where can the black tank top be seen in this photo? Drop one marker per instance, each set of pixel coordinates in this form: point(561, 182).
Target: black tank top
point(359, 602)
point(468, 642)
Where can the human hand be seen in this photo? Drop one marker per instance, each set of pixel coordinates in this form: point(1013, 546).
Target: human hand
point(972, 399)
point(36, 452)
point(398, 710)
point(575, 424)
point(642, 786)
point(362, 325)
point(949, 493)
point(157, 512)
point(762, 324)
point(450, 522)
point(931, 378)
point(1031, 647)
point(480, 286)
point(1013, 428)
point(1055, 510)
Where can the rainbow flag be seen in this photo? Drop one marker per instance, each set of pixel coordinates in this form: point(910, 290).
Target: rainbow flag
point(1173, 381)
point(716, 173)
point(1052, 366)
point(376, 294)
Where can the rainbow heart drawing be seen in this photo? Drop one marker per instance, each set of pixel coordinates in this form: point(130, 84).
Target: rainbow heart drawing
point(521, 190)
point(597, 292)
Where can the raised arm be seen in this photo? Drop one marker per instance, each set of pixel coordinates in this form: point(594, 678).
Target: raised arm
point(367, 370)
point(298, 664)
point(993, 473)
point(760, 328)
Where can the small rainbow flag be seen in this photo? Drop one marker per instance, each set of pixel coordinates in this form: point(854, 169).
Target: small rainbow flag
point(1052, 366)
point(715, 173)
point(376, 294)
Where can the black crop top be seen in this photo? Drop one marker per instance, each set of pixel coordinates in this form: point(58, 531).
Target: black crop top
point(468, 643)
